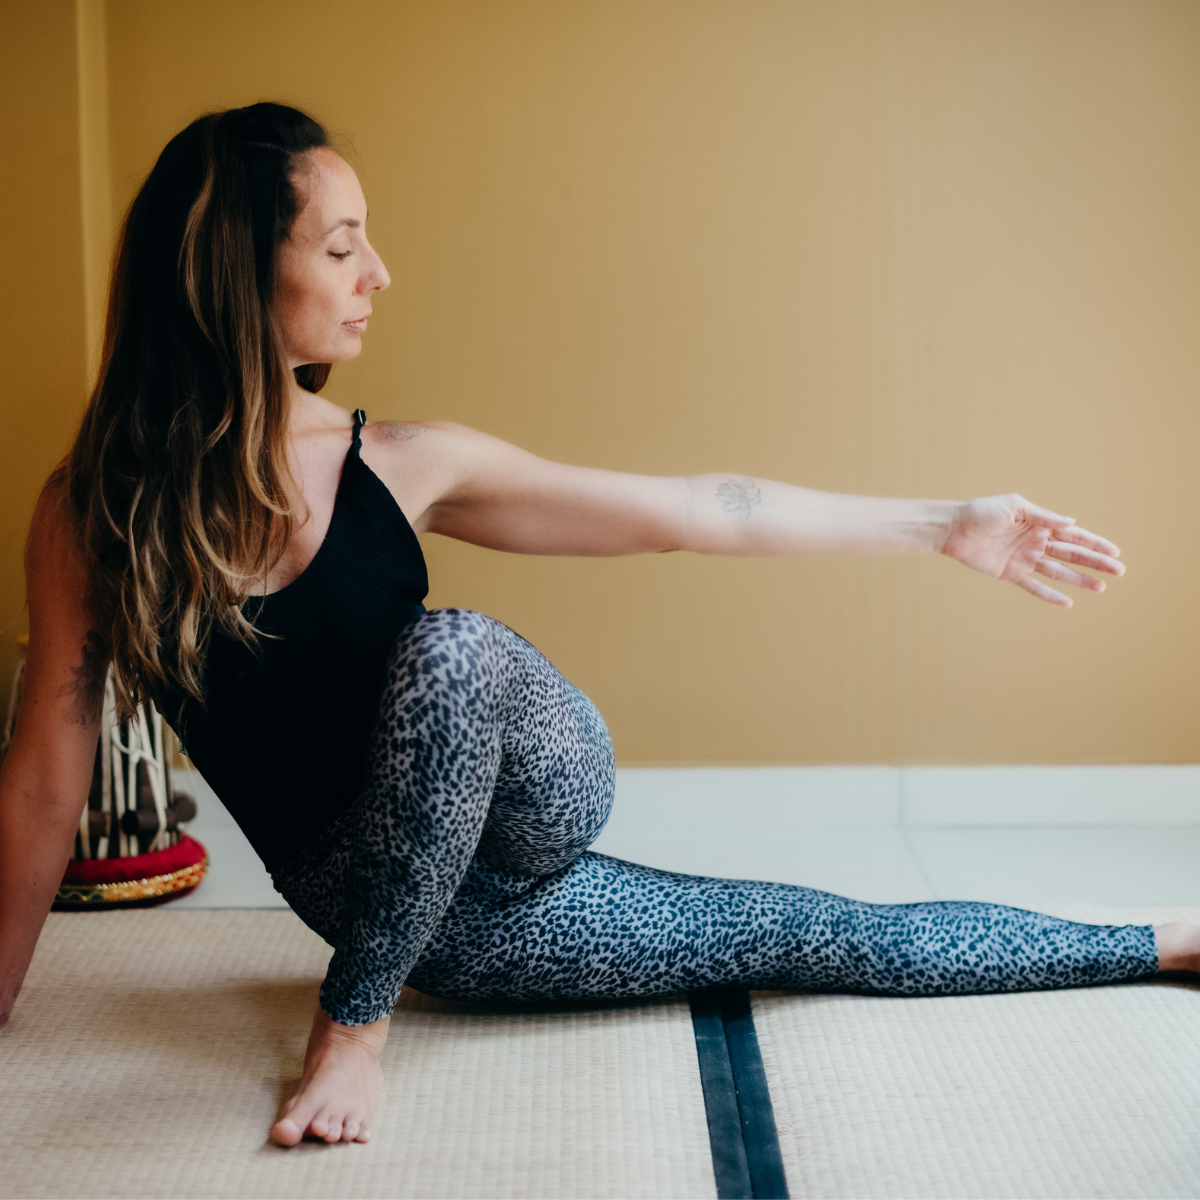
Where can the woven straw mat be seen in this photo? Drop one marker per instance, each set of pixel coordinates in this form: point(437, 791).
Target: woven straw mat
point(1092, 1092)
point(149, 1052)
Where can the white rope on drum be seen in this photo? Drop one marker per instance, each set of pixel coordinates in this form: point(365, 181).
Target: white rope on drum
point(117, 776)
point(141, 747)
point(108, 721)
point(122, 748)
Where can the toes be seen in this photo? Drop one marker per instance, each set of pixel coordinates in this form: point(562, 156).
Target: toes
point(328, 1127)
point(286, 1132)
point(364, 1130)
point(296, 1122)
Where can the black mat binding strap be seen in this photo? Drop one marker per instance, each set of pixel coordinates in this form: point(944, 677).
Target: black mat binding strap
point(720, 1099)
point(747, 1161)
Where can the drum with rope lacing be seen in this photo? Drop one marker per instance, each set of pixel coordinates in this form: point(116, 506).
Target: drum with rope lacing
point(129, 849)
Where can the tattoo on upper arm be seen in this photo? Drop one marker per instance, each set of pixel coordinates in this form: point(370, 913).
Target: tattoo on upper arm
point(400, 431)
point(738, 497)
point(87, 689)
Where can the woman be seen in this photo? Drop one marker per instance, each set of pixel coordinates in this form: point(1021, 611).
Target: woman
point(244, 553)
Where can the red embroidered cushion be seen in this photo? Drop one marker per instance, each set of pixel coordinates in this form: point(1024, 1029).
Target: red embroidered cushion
point(139, 879)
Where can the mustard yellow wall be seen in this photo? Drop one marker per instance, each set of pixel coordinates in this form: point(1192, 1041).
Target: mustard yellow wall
point(42, 321)
point(920, 247)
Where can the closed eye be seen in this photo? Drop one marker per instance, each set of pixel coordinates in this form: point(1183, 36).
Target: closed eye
point(343, 254)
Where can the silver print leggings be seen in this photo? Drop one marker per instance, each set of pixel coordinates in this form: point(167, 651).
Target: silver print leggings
point(463, 870)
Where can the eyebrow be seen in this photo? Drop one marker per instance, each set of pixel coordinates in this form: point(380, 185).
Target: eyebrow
point(349, 222)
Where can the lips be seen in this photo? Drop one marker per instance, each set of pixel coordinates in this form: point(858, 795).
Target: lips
point(358, 326)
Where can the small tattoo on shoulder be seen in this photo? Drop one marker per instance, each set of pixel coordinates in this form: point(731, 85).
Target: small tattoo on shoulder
point(400, 431)
point(740, 498)
point(87, 688)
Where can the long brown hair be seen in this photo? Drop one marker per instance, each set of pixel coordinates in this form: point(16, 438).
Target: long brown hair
point(178, 481)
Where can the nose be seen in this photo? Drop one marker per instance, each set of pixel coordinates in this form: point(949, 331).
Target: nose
point(376, 277)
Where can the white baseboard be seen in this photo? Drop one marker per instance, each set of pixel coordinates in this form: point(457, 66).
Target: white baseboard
point(1101, 795)
point(913, 797)
point(773, 796)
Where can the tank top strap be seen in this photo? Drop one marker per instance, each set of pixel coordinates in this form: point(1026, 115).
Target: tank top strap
point(360, 419)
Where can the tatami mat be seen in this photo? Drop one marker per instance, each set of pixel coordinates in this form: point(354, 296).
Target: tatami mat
point(146, 1054)
point(1086, 1093)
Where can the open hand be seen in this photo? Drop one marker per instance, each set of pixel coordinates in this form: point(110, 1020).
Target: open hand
point(1009, 538)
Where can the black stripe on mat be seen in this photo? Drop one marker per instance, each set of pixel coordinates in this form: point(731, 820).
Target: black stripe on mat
point(720, 1099)
point(747, 1161)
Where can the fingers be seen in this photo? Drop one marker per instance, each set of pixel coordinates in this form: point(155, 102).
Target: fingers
point(1090, 541)
point(1061, 574)
point(1064, 551)
point(1044, 516)
point(1064, 529)
point(1042, 592)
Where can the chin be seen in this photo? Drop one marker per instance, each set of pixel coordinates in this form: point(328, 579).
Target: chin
point(344, 351)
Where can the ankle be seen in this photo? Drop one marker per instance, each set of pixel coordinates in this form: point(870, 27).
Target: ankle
point(329, 1034)
point(1178, 946)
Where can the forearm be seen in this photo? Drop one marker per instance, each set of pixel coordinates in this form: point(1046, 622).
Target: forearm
point(36, 834)
point(737, 514)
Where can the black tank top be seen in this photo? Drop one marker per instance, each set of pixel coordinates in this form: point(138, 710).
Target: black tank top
point(283, 736)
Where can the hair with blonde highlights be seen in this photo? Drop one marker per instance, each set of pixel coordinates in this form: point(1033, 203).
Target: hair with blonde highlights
point(178, 483)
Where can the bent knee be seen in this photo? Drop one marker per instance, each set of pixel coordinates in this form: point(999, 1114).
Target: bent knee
point(443, 648)
point(446, 628)
point(461, 622)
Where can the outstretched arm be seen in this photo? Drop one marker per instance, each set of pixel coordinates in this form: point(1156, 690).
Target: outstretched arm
point(1002, 536)
point(476, 488)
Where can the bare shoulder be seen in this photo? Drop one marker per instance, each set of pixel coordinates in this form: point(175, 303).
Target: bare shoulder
point(66, 661)
point(390, 433)
point(414, 459)
point(426, 463)
point(56, 575)
point(422, 445)
point(400, 431)
point(51, 554)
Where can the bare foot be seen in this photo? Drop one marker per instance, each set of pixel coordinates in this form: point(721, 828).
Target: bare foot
point(1178, 946)
point(339, 1091)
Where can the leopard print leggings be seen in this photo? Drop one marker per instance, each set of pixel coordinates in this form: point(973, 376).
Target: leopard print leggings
point(463, 869)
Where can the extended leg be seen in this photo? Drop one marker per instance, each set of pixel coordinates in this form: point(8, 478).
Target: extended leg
point(606, 928)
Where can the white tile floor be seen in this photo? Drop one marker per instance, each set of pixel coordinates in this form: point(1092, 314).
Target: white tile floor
point(1106, 835)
